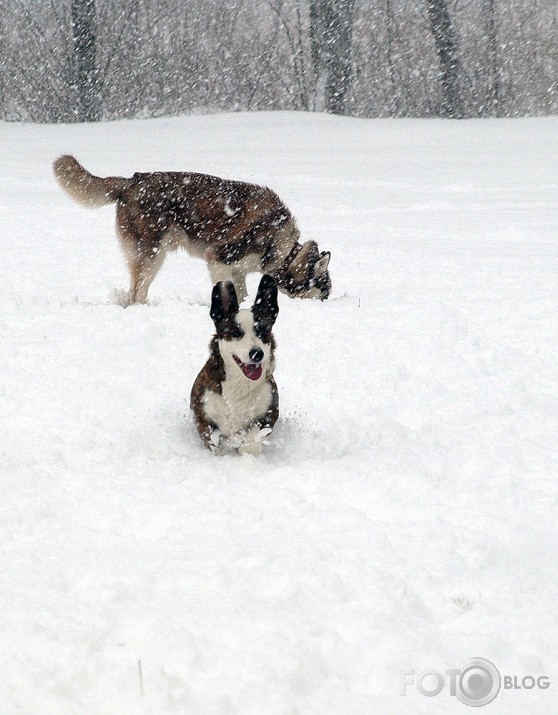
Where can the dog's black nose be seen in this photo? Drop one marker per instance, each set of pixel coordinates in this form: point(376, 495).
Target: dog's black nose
point(256, 355)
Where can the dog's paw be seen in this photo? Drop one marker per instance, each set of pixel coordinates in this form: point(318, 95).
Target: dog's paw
point(216, 441)
point(254, 441)
point(214, 437)
point(120, 297)
point(263, 433)
point(254, 448)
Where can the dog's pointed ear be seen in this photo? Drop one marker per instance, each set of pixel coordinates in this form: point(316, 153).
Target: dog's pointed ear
point(322, 263)
point(224, 303)
point(266, 307)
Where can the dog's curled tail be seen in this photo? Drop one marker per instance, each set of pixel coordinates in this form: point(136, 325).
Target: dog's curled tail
point(85, 188)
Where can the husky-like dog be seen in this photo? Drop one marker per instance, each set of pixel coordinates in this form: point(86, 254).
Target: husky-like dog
point(238, 228)
point(234, 398)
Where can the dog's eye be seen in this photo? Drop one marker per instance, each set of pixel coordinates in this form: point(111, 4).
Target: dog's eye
point(236, 333)
point(230, 331)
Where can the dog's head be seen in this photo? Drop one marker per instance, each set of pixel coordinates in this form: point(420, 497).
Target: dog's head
point(307, 275)
point(245, 339)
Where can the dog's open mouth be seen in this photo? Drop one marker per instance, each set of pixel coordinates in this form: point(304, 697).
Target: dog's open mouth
point(252, 370)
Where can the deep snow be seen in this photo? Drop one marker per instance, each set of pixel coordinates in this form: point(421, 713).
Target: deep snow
point(403, 516)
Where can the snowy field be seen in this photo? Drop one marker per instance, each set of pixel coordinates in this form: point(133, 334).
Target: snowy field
point(403, 516)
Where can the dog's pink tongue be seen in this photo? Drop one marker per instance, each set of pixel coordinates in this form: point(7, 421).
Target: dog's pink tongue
point(252, 372)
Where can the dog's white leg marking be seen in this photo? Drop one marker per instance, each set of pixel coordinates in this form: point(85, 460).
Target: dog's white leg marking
point(219, 272)
point(239, 280)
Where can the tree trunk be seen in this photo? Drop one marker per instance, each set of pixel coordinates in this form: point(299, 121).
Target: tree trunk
point(331, 26)
point(85, 47)
point(445, 42)
point(493, 95)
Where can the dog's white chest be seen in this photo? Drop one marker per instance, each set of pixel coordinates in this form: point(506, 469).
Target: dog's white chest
point(239, 403)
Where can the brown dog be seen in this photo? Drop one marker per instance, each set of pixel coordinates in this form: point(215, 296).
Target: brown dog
point(238, 228)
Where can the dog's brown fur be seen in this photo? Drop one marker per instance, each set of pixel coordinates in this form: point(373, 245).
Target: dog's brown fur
point(235, 226)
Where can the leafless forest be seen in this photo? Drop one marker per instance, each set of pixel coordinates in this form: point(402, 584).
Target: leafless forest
point(88, 60)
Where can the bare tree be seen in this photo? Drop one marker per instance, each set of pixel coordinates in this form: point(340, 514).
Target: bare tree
point(493, 71)
point(331, 28)
point(291, 24)
point(84, 34)
point(445, 41)
point(82, 60)
point(3, 60)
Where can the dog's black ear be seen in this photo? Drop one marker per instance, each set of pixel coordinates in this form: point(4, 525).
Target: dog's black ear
point(224, 303)
point(265, 308)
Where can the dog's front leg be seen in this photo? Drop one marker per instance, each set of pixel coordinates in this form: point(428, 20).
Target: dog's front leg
point(218, 271)
point(214, 440)
point(239, 280)
point(253, 440)
point(217, 441)
point(210, 434)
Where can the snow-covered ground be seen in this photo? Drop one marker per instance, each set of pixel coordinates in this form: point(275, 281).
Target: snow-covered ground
point(403, 516)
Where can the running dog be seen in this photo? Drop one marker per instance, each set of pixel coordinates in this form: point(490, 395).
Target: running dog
point(234, 398)
point(238, 228)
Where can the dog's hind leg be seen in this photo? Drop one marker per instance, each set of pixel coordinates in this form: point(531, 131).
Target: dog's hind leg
point(144, 252)
point(143, 270)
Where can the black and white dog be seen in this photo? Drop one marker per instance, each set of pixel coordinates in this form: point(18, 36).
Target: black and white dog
point(234, 398)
